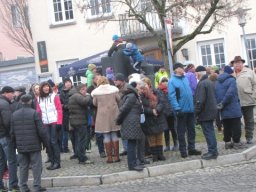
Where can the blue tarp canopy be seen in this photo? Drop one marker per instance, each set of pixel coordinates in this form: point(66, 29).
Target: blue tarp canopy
point(80, 67)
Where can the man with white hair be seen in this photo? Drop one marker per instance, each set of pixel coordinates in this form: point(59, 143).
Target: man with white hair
point(206, 110)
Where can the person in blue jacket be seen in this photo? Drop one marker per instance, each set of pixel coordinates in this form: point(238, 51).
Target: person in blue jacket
point(230, 109)
point(181, 98)
point(132, 50)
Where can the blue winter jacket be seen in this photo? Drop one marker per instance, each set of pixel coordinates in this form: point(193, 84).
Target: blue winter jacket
point(226, 93)
point(180, 94)
point(134, 53)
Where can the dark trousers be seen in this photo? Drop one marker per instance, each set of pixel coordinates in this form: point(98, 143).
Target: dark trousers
point(141, 148)
point(99, 141)
point(218, 121)
point(12, 164)
point(35, 160)
point(80, 142)
point(3, 158)
point(54, 151)
point(232, 129)
point(186, 124)
point(172, 128)
point(209, 134)
point(131, 154)
point(72, 139)
point(248, 121)
point(64, 138)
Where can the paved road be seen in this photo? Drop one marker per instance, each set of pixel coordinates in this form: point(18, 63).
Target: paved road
point(235, 178)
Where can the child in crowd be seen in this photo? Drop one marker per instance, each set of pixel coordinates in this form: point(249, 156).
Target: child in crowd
point(132, 50)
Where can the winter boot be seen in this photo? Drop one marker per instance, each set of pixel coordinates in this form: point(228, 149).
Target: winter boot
point(154, 153)
point(116, 151)
point(160, 155)
point(108, 147)
point(229, 145)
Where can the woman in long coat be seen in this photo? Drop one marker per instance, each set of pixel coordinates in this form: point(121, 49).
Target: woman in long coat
point(106, 99)
point(129, 119)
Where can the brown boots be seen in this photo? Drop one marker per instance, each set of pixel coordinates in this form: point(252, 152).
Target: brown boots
point(112, 148)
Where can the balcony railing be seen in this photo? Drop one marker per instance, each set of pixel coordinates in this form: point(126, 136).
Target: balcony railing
point(132, 28)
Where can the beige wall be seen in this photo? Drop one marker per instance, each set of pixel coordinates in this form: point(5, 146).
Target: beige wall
point(232, 35)
point(79, 40)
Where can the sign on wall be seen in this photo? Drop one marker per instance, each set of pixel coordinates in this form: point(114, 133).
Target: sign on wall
point(42, 53)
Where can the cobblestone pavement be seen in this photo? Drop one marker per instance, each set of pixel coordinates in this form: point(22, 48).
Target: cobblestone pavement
point(235, 178)
point(100, 167)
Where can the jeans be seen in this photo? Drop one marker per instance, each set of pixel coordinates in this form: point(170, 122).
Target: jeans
point(12, 164)
point(125, 144)
point(186, 124)
point(248, 121)
point(54, 151)
point(232, 129)
point(208, 130)
point(99, 141)
point(80, 141)
point(35, 159)
point(131, 153)
point(64, 138)
point(3, 158)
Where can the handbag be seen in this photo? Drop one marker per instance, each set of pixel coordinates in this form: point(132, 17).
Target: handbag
point(142, 115)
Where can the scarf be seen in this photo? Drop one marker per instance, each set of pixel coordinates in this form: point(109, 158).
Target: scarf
point(149, 94)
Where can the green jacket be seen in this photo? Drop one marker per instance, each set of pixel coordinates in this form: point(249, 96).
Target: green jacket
point(89, 75)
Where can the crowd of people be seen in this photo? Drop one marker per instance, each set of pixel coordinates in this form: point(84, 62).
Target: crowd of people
point(140, 113)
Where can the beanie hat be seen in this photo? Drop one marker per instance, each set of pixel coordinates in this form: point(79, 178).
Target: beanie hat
point(66, 80)
point(91, 66)
point(120, 77)
point(26, 98)
point(129, 45)
point(200, 68)
point(51, 83)
point(20, 89)
point(115, 37)
point(163, 78)
point(177, 65)
point(7, 89)
point(228, 70)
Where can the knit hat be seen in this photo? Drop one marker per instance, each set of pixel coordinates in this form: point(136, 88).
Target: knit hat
point(177, 65)
point(91, 66)
point(7, 89)
point(120, 77)
point(200, 68)
point(66, 80)
point(115, 37)
point(20, 89)
point(26, 98)
point(228, 70)
point(129, 45)
point(51, 83)
point(163, 78)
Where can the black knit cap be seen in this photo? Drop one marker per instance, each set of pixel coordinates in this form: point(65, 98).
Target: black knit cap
point(26, 98)
point(178, 65)
point(200, 68)
point(7, 89)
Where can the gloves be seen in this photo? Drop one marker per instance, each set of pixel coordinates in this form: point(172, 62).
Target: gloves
point(220, 106)
point(179, 113)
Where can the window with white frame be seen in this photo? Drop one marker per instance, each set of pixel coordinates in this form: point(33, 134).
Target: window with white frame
point(212, 53)
point(99, 8)
point(62, 11)
point(16, 16)
point(252, 49)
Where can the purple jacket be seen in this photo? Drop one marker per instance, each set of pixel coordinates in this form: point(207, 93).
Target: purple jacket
point(192, 81)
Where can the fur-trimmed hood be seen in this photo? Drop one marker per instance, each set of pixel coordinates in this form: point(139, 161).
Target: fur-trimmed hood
point(104, 90)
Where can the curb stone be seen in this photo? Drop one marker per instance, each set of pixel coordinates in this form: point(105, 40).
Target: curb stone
point(66, 181)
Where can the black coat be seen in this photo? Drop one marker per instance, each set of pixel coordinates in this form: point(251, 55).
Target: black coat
point(167, 110)
point(27, 130)
point(64, 98)
point(153, 124)
point(205, 101)
point(129, 115)
point(5, 116)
